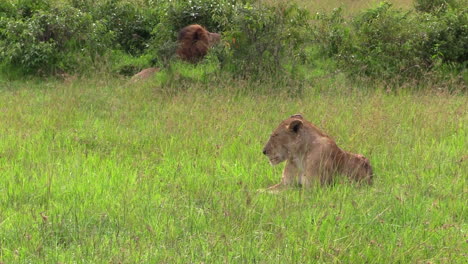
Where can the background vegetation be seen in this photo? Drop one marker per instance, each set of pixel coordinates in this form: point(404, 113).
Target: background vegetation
point(97, 169)
point(260, 38)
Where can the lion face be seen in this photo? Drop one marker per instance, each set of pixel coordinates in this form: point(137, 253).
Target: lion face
point(284, 140)
point(214, 38)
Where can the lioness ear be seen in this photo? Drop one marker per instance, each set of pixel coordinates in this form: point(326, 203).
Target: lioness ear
point(295, 125)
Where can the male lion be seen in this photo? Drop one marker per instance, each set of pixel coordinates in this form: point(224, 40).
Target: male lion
point(194, 42)
point(312, 156)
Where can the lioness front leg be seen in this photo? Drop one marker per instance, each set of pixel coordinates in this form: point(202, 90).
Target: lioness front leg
point(314, 172)
point(289, 174)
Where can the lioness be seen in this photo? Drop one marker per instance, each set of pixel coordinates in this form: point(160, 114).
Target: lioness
point(144, 74)
point(311, 156)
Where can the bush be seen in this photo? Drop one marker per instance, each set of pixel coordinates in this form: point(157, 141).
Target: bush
point(6, 9)
point(45, 36)
point(447, 36)
point(264, 39)
point(389, 43)
point(21, 48)
point(27, 8)
point(215, 15)
point(434, 5)
point(40, 38)
point(256, 38)
point(132, 25)
point(331, 32)
point(51, 41)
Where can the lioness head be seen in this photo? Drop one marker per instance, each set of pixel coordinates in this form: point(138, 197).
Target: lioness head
point(284, 140)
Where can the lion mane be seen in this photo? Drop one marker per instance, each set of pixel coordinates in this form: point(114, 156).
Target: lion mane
point(194, 42)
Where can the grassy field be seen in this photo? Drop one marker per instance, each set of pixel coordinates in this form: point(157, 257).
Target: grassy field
point(101, 171)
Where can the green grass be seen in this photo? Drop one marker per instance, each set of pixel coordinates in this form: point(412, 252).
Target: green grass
point(349, 6)
point(101, 171)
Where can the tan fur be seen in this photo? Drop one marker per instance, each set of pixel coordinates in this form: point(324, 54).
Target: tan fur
point(144, 74)
point(311, 156)
point(194, 42)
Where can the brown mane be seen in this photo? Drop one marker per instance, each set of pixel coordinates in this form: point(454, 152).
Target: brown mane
point(194, 42)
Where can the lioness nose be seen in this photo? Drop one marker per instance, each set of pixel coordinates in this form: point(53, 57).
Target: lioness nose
point(264, 152)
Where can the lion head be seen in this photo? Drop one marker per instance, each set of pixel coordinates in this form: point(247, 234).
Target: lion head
point(194, 42)
point(214, 38)
point(284, 140)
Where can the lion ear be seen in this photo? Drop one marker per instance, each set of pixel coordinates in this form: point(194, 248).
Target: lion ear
point(295, 125)
point(297, 116)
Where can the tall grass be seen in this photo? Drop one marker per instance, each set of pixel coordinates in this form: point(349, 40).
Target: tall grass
point(101, 171)
point(349, 6)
